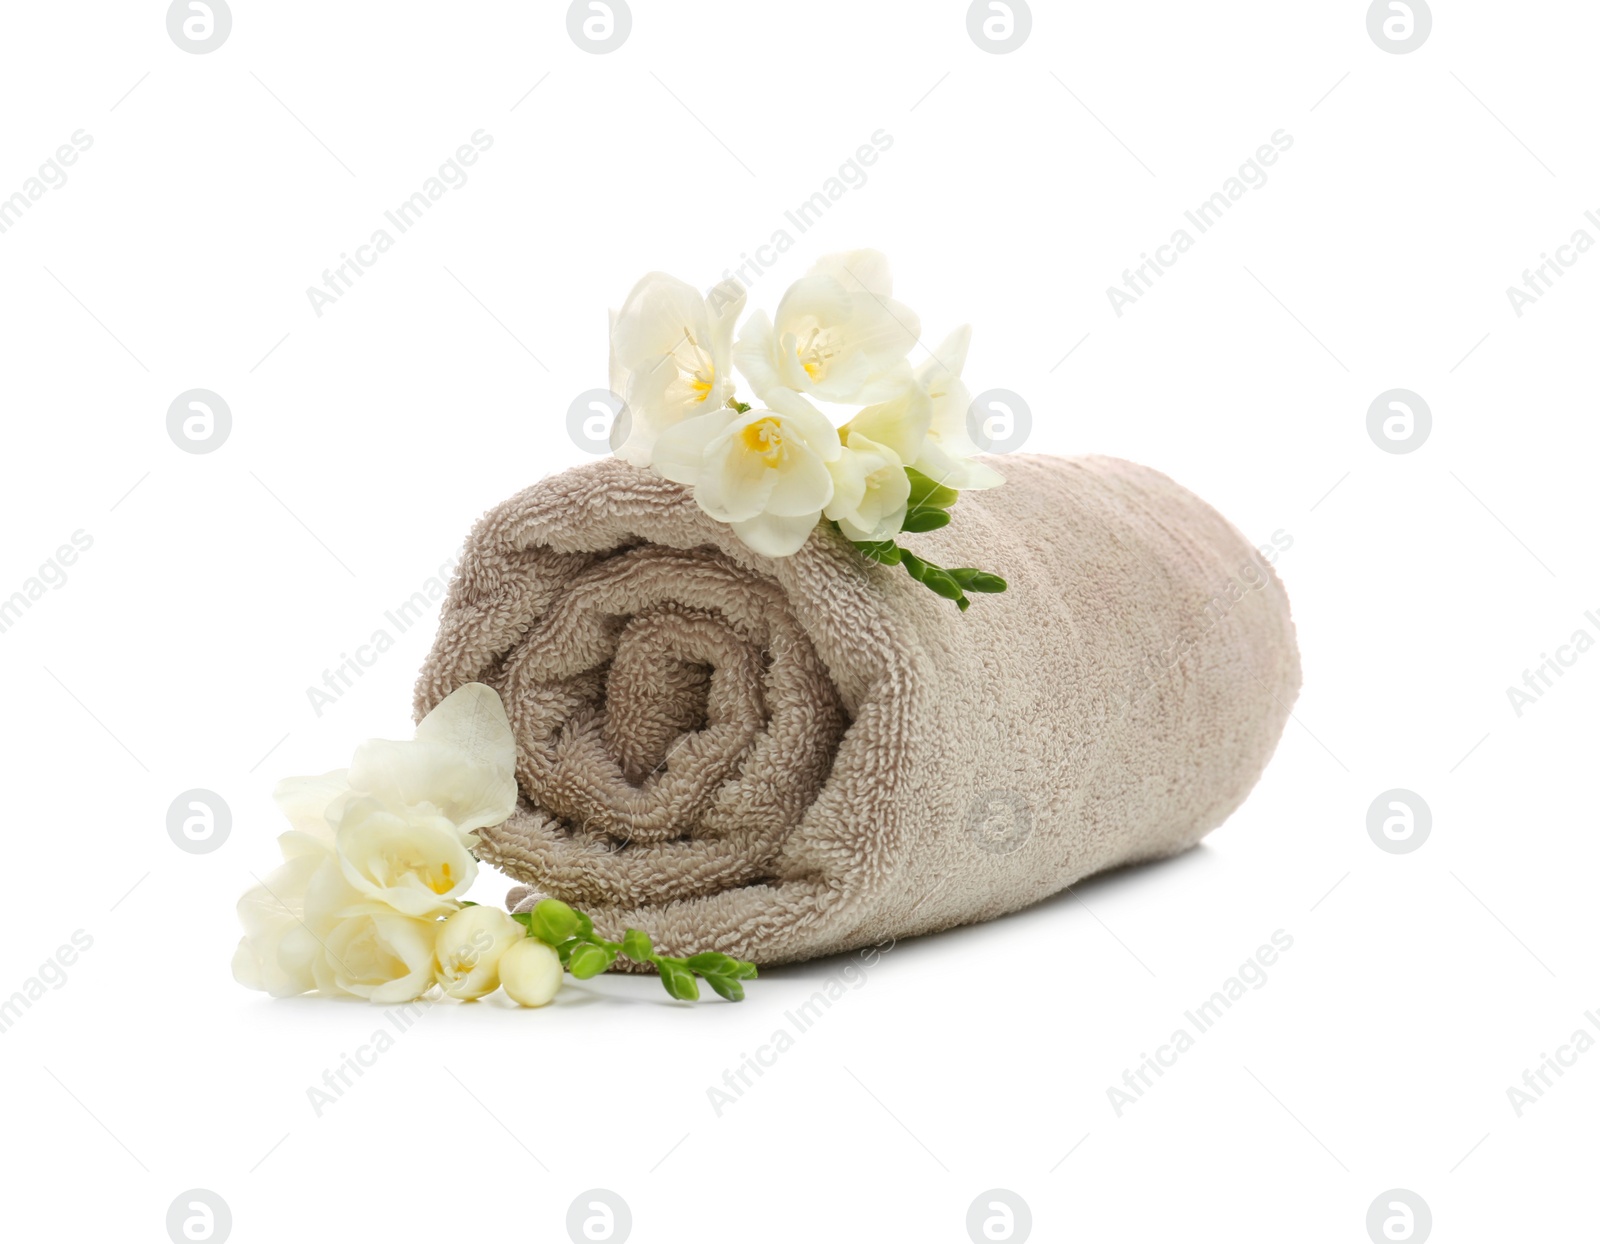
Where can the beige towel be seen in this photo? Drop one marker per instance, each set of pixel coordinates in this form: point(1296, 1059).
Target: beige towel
point(784, 758)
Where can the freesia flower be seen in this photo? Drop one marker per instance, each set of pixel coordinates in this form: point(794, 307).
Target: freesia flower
point(900, 423)
point(379, 955)
point(311, 804)
point(462, 762)
point(946, 453)
point(670, 358)
point(412, 859)
point(281, 938)
point(870, 490)
point(837, 336)
point(287, 917)
point(388, 837)
point(763, 471)
point(468, 950)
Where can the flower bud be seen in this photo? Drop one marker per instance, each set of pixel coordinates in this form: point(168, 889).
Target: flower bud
point(468, 950)
point(530, 972)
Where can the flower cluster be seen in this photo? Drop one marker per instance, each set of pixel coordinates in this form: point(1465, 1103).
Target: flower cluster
point(775, 469)
point(368, 899)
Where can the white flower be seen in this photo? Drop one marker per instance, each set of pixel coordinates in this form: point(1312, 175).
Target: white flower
point(462, 763)
point(946, 453)
point(763, 471)
point(870, 490)
point(282, 938)
point(288, 916)
point(379, 955)
point(870, 487)
point(900, 423)
point(414, 860)
point(530, 972)
point(312, 804)
point(670, 352)
point(838, 336)
point(468, 950)
point(388, 837)
point(402, 816)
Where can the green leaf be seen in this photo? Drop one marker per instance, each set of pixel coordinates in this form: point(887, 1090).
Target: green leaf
point(915, 566)
point(679, 981)
point(727, 987)
point(636, 945)
point(468, 903)
point(925, 492)
point(745, 971)
point(525, 919)
point(553, 921)
point(589, 960)
point(928, 519)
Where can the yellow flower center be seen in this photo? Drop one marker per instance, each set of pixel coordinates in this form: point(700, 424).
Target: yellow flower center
point(695, 365)
point(765, 438)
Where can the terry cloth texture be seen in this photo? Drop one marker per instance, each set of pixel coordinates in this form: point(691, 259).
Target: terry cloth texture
point(784, 758)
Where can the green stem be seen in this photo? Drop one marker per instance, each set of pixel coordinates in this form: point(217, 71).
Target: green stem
point(571, 935)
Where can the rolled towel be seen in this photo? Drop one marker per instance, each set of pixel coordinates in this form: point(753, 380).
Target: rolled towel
point(784, 758)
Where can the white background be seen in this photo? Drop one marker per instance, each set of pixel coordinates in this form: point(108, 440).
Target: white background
point(365, 441)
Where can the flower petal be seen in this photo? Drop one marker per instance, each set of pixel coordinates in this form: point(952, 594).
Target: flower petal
point(411, 859)
point(462, 762)
point(820, 298)
point(680, 451)
point(738, 485)
point(724, 303)
point(653, 319)
point(813, 426)
point(306, 801)
point(879, 509)
point(849, 472)
point(962, 474)
point(772, 536)
point(947, 360)
point(754, 355)
point(900, 423)
point(858, 270)
point(882, 329)
point(802, 487)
